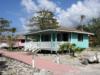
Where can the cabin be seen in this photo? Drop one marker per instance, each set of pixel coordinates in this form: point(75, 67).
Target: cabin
point(51, 39)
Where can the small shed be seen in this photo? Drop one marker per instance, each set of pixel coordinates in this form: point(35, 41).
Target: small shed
point(19, 42)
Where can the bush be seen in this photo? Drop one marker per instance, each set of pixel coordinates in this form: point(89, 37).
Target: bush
point(67, 47)
point(79, 49)
point(71, 48)
point(63, 47)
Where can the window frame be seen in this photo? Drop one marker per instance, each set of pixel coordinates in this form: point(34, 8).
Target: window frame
point(80, 37)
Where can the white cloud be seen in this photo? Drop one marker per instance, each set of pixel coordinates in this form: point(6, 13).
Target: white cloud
point(47, 4)
point(33, 6)
point(29, 5)
point(26, 22)
point(70, 16)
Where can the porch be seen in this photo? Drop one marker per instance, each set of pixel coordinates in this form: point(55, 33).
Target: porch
point(50, 41)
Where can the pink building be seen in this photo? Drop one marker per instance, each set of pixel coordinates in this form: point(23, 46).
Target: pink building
point(20, 40)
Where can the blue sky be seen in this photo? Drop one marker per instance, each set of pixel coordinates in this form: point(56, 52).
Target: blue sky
point(19, 10)
point(13, 10)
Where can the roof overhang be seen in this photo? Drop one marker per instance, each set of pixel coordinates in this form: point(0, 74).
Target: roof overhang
point(55, 30)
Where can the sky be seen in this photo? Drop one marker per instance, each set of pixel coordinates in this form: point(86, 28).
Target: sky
point(67, 12)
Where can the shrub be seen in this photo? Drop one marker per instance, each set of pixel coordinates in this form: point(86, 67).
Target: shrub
point(71, 48)
point(63, 47)
point(79, 49)
point(67, 47)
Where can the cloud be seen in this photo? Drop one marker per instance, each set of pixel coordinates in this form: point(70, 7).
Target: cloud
point(71, 16)
point(68, 17)
point(47, 4)
point(26, 22)
point(32, 7)
point(29, 5)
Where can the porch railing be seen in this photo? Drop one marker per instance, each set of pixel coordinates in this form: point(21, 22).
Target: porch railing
point(44, 45)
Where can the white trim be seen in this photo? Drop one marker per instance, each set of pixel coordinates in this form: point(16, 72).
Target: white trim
point(74, 31)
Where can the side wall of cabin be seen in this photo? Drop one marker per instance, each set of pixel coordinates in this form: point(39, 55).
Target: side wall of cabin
point(83, 43)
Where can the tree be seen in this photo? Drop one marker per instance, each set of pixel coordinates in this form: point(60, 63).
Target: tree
point(82, 18)
point(13, 30)
point(44, 20)
point(5, 27)
point(9, 39)
point(4, 24)
point(81, 26)
point(94, 27)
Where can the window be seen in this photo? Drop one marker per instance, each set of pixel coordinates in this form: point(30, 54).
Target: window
point(23, 41)
point(65, 36)
point(62, 37)
point(80, 37)
point(46, 37)
point(59, 37)
point(54, 37)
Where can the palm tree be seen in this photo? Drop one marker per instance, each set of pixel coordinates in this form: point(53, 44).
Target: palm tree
point(9, 39)
point(3, 24)
point(82, 17)
point(0, 38)
point(13, 30)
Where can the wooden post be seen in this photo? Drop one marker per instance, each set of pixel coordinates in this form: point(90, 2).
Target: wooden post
point(40, 41)
point(57, 59)
point(56, 42)
point(61, 37)
point(69, 37)
point(51, 42)
point(33, 62)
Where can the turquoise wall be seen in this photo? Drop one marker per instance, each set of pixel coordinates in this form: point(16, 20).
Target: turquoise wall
point(81, 44)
